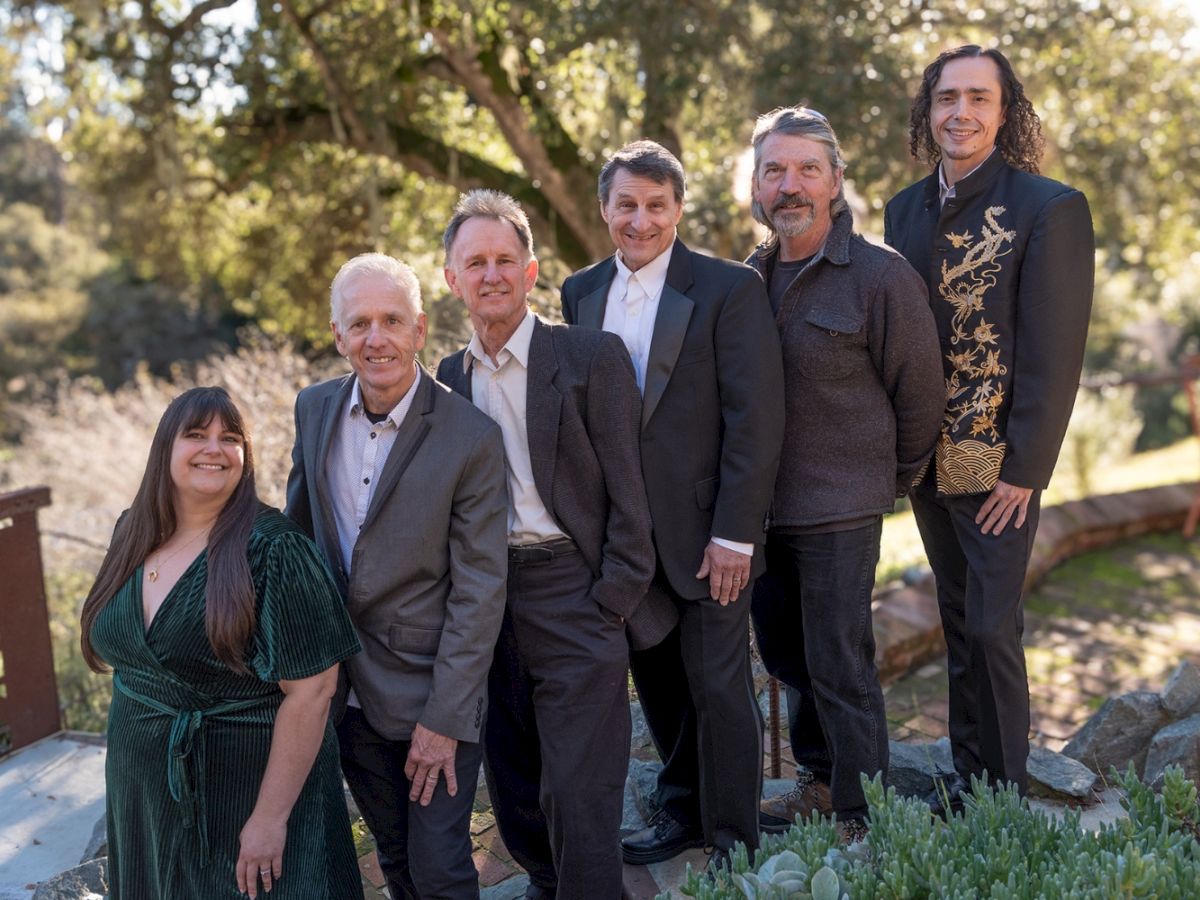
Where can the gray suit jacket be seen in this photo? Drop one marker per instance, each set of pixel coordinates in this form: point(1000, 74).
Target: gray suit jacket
point(582, 414)
point(426, 586)
point(712, 416)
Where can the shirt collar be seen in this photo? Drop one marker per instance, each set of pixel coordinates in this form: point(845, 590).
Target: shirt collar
point(652, 276)
point(517, 345)
point(948, 190)
point(397, 412)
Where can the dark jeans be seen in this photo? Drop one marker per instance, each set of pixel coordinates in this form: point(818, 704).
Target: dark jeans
point(697, 691)
point(812, 619)
point(424, 851)
point(558, 729)
point(980, 580)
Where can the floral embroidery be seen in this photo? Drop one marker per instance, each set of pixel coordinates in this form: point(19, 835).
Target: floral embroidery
point(971, 450)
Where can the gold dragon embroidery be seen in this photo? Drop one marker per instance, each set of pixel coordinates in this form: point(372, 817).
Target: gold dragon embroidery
point(971, 461)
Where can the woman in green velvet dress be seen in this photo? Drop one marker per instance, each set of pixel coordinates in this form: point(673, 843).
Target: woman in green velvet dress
point(224, 633)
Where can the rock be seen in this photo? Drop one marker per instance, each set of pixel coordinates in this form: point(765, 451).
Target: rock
point(509, 889)
point(911, 767)
point(1178, 744)
point(640, 786)
point(1058, 777)
point(86, 882)
point(641, 731)
point(1119, 733)
point(97, 845)
point(1181, 695)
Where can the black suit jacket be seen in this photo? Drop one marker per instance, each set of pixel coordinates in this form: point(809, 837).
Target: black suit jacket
point(712, 411)
point(1009, 261)
point(582, 413)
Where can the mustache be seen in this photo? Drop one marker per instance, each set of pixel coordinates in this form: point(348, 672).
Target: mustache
point(792, 201)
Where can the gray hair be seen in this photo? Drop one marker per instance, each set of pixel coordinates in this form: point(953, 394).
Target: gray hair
point(799, 121)
point(399, 274)
point(645, 159)
point(488, 204)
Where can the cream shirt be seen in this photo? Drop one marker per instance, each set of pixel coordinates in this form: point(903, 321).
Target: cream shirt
point(500, 390)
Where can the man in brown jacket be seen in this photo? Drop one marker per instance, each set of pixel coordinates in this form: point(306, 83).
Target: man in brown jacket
point(863, 394)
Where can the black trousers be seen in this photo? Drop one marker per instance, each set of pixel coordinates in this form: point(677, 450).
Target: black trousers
point(558, 728)
point(812, 619)
point(980, 580)
point(424, 851)
point(697, 692)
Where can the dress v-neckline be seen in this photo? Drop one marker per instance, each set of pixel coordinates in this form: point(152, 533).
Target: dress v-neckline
point(147, 627)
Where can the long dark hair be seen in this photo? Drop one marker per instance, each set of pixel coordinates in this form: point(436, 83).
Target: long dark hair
point(229, 616)
point(1020, 137)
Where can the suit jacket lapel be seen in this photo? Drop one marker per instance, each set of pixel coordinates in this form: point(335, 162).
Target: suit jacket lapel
point(409, 438)
point(670, 326)
point(459, 381)
point(543, 409)
point(591, 307)
point(330, 417)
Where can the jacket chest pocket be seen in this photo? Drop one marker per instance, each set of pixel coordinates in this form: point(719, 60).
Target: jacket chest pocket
point(830, 344)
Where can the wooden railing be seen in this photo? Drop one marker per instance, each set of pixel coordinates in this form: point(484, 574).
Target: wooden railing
point(28, 693)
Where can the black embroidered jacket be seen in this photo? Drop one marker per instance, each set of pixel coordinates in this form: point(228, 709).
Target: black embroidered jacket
point(1009, 262)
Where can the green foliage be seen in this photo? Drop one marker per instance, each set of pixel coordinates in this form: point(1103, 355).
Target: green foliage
point(998, 848)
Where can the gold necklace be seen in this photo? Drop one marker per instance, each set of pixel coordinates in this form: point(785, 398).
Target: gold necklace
point(152, 570)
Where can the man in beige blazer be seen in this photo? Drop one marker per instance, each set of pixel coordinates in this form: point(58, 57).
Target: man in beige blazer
point(401, 484)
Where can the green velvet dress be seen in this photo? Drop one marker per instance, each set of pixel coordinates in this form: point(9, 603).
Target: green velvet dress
point(188, 739)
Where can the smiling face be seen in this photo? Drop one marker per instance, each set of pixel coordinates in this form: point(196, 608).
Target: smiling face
point(207, 462)
point(966, 113)
point(379, 332)
point(490, 270)
point(795, 184)
point(641, 215)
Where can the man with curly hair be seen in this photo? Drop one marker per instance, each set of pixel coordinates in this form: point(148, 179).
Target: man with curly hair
point(1008, 256)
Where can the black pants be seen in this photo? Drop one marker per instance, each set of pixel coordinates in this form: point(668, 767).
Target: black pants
point(424, 851)
point(697, 692)
point(980, 579)
point(812, 619)
point(557, 732)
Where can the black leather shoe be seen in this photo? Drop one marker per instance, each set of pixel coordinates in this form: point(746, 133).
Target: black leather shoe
point(946, 798)
point(662, 839)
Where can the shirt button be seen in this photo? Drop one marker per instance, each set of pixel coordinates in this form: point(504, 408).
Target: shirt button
point(372, 435)
point(366, 481)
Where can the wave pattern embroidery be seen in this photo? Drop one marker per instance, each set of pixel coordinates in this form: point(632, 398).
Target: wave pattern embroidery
point(971, 449)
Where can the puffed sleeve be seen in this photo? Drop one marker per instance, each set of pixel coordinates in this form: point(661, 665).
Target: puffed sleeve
point(303, 627)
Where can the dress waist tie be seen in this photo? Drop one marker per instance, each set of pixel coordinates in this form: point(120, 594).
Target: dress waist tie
point(185, 752)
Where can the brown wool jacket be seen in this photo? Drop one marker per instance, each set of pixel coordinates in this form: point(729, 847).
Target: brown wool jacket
point(1009, 262)
point(862, 381)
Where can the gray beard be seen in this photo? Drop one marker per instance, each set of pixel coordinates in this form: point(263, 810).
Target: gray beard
point(791, 223)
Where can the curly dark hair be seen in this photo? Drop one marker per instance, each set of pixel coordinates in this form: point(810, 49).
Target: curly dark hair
point(1019, 138)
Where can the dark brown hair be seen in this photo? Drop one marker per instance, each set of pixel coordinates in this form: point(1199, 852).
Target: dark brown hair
point(645, 159)
point(229, 601)
point(1020, 137)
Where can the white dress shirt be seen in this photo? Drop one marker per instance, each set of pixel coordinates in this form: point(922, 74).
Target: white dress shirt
point(630, 312)
point(500, 389)
point(356, 458)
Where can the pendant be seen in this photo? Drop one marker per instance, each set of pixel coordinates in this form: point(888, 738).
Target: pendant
point(152, 575)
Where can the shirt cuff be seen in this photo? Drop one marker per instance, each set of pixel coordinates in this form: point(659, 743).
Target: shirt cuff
point(744, 549)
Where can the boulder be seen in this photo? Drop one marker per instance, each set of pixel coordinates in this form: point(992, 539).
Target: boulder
point(1181, 695)
point(1178, 744)
point(1119, 733)
point(86, 882)
point(509, 889)
point(97, 845)
point(640, 786)
point(640, 736)
point(911, 767)
point(1058, 777)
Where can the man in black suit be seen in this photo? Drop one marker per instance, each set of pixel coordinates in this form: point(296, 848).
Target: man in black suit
point(708, 362)
point(556, 740)
point(1009, 259)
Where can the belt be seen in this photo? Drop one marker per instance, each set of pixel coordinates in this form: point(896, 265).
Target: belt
point(185, 751)
point(541, 552)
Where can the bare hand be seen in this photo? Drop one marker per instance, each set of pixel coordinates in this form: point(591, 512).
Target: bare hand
point(428, 754)
point(1004, 500)
point(260, 855)
point(727, 571)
